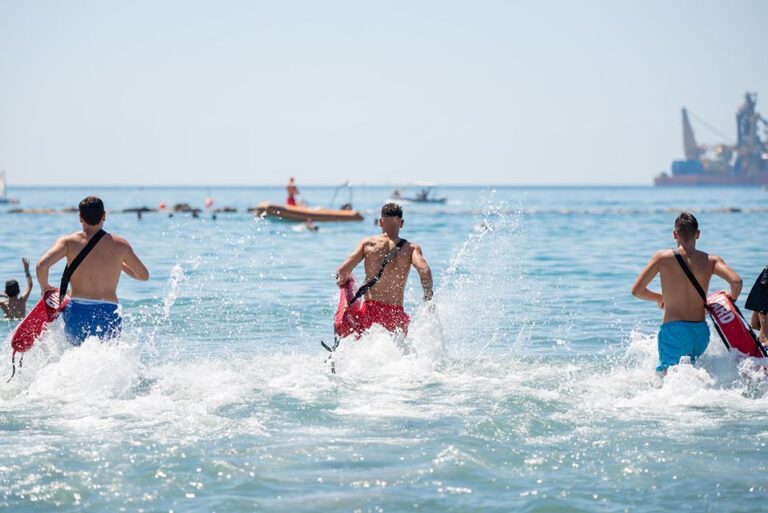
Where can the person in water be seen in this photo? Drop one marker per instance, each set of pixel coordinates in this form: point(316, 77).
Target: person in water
point(15, 306)
point(684, 331)
point(292, 192)
point(93, 308)
point(384, 301)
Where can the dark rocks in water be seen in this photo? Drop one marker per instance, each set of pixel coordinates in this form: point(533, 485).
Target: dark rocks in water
point(183, 207)
point(143, 210)
point(225, 210)
point(36, 211)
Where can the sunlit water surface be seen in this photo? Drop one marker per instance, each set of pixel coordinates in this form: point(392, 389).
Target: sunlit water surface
point(528, 387)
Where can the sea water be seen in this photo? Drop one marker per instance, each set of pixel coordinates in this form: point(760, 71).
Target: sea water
point(528, 385)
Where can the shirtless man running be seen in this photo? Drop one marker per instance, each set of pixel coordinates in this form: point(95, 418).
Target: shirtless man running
point(92, 309)
point(684, 331)
point(384, 301)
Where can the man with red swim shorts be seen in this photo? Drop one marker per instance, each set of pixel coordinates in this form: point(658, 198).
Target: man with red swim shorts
point(383, 303)
point(292, 192)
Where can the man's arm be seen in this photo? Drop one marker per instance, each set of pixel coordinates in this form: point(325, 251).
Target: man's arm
point(133, 266)
point(28, 276)
point(425, 273)
point(344, 271)
point(734, 280)
point(53, 255)
point(640, 288)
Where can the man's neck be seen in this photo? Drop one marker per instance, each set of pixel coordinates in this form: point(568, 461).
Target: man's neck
point(393, 234)
point(687, 247)
point(90, 231)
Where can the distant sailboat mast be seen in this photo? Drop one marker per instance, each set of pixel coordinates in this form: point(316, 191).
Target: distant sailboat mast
point(2, 184)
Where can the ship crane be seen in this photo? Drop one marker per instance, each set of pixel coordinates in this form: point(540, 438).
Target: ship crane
point(694, 151)
point(743, 162)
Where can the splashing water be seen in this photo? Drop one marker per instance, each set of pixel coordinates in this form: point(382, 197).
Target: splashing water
point(528, 384)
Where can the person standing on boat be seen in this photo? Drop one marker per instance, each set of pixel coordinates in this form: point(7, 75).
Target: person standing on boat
point(293, 191)
point(684, 332)
point(15, 306)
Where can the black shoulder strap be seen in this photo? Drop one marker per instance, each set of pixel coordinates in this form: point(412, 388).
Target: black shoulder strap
point(373, 281)
point(71, 268)
point(687, 271)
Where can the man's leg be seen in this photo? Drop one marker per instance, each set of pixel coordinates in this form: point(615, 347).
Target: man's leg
point(700, 337)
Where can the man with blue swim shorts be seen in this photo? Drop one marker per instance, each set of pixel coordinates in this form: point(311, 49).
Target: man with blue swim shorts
point(684, 332)
point(95, 262)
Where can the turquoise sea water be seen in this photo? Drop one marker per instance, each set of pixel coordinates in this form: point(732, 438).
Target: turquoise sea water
point(530, 387)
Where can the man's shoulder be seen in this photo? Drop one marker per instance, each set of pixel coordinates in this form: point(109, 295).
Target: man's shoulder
point(117, 240)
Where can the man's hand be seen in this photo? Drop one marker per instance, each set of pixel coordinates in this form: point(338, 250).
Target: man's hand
point(660, 303)
point(25, 263)
point(44, 289)
point(341, 279)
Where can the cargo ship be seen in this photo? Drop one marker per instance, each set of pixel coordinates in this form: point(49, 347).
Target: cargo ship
point(743, 163)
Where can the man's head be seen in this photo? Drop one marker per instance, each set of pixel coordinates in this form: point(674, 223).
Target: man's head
point(12, 288)
point(91, 211)
point(686, 227)
point(391, 217)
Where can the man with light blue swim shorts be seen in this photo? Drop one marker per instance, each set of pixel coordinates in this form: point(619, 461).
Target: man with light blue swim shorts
point(684, 332)
point(95, 262)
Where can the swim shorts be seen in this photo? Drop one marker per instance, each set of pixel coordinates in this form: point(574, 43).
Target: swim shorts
point(85, 318)
point(681, 338)
point(359, 318)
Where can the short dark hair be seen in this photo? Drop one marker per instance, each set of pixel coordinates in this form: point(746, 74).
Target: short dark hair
point(686, 225)
point(12, 288)
point(392, 210)
point(92, 210)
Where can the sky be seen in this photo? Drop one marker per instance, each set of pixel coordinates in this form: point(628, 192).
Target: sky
point(475, 92)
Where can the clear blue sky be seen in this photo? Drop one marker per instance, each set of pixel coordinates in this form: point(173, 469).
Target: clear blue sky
point(226, 92)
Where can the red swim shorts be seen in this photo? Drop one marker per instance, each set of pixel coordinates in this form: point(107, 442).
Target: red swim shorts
point(361, 316)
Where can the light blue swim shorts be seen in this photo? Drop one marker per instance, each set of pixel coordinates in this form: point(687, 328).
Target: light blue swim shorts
point(681, 338)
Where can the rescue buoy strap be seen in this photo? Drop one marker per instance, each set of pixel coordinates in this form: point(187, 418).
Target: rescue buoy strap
point(71, 268)
point(689, 274)
point(375, 279)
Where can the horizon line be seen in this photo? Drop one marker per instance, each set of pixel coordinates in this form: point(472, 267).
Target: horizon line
point(361, 185)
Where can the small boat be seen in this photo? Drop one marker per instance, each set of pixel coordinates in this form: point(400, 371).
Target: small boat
point(304, 214)
point(425, 194)
point(3, 198)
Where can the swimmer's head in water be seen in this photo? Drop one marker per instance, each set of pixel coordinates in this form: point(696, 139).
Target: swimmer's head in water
point(92, 210)
point(12, 288)
point(686, 226)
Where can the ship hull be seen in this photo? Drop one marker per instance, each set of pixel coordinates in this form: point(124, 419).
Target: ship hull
point(710, 180)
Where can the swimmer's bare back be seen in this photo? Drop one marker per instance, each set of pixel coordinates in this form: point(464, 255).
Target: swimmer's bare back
point(98, 275)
